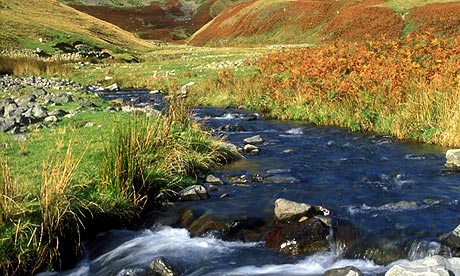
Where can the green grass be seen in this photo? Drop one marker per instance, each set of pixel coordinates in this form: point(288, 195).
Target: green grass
point(61, 182)
point(170, 67)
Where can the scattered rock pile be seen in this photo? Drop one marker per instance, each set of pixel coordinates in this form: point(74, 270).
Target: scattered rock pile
point(29, 103)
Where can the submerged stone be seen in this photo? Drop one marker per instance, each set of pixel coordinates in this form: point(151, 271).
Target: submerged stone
point(344, 271)
point(307, 237)
point(382, 248)
point(205, 224)
point(257, 139)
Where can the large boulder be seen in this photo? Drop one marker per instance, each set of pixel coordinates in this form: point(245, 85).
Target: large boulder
point(306, 237)
point(429, 266)
point(453, 159)
point(345, 233)
point(245, 229)
point(204, 225)
point(288, 210)
point(382, 248)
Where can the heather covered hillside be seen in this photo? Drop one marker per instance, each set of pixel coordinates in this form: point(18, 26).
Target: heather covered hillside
point(303, 21)
point(166, 20)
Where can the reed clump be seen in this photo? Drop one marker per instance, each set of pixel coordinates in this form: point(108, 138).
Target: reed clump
point(159, 153)
point(407, 87)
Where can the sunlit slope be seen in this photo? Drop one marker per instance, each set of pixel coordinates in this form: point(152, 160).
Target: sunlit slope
point(43, 23)
point(303, 21)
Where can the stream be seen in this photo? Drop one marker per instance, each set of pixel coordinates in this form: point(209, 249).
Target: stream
point(391, 190)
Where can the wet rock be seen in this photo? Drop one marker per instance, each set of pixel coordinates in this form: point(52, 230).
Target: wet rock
point(250, 117)
point(112, 87)
point(453, 160)
point(205, 224)
point(186, 218)
point(161, 266)
point(162, 217)
point(344, 271)
point(245, 229)
point(452, 239)
point(195, 192)
point(306, 237)
point(232, 128)
point(238, 179)
point(212, 187)
point(249, 148)
point(345, 234)
point(257, 139)
point(214, 180)
point(287, 210)
point(435, 265)
point(381, 248)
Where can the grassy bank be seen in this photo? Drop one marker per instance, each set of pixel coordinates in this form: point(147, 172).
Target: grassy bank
point(65, 183)
point(408, 88)
point(170, 67)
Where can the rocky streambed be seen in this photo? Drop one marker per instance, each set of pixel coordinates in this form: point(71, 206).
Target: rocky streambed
point(305, 200)
point(31, 103)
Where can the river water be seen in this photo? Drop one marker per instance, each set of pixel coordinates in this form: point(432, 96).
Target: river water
point(377, 183)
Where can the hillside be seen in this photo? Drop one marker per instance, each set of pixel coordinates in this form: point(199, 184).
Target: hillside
point(166, 20)
point(43, 23)
point(285, 21)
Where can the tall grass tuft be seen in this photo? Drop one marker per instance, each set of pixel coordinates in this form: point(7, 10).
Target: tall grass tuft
point(160, 153)
point(60, 207)
point(9, 206)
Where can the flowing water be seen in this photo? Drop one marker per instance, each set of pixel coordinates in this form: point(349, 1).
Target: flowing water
point(379, 184)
